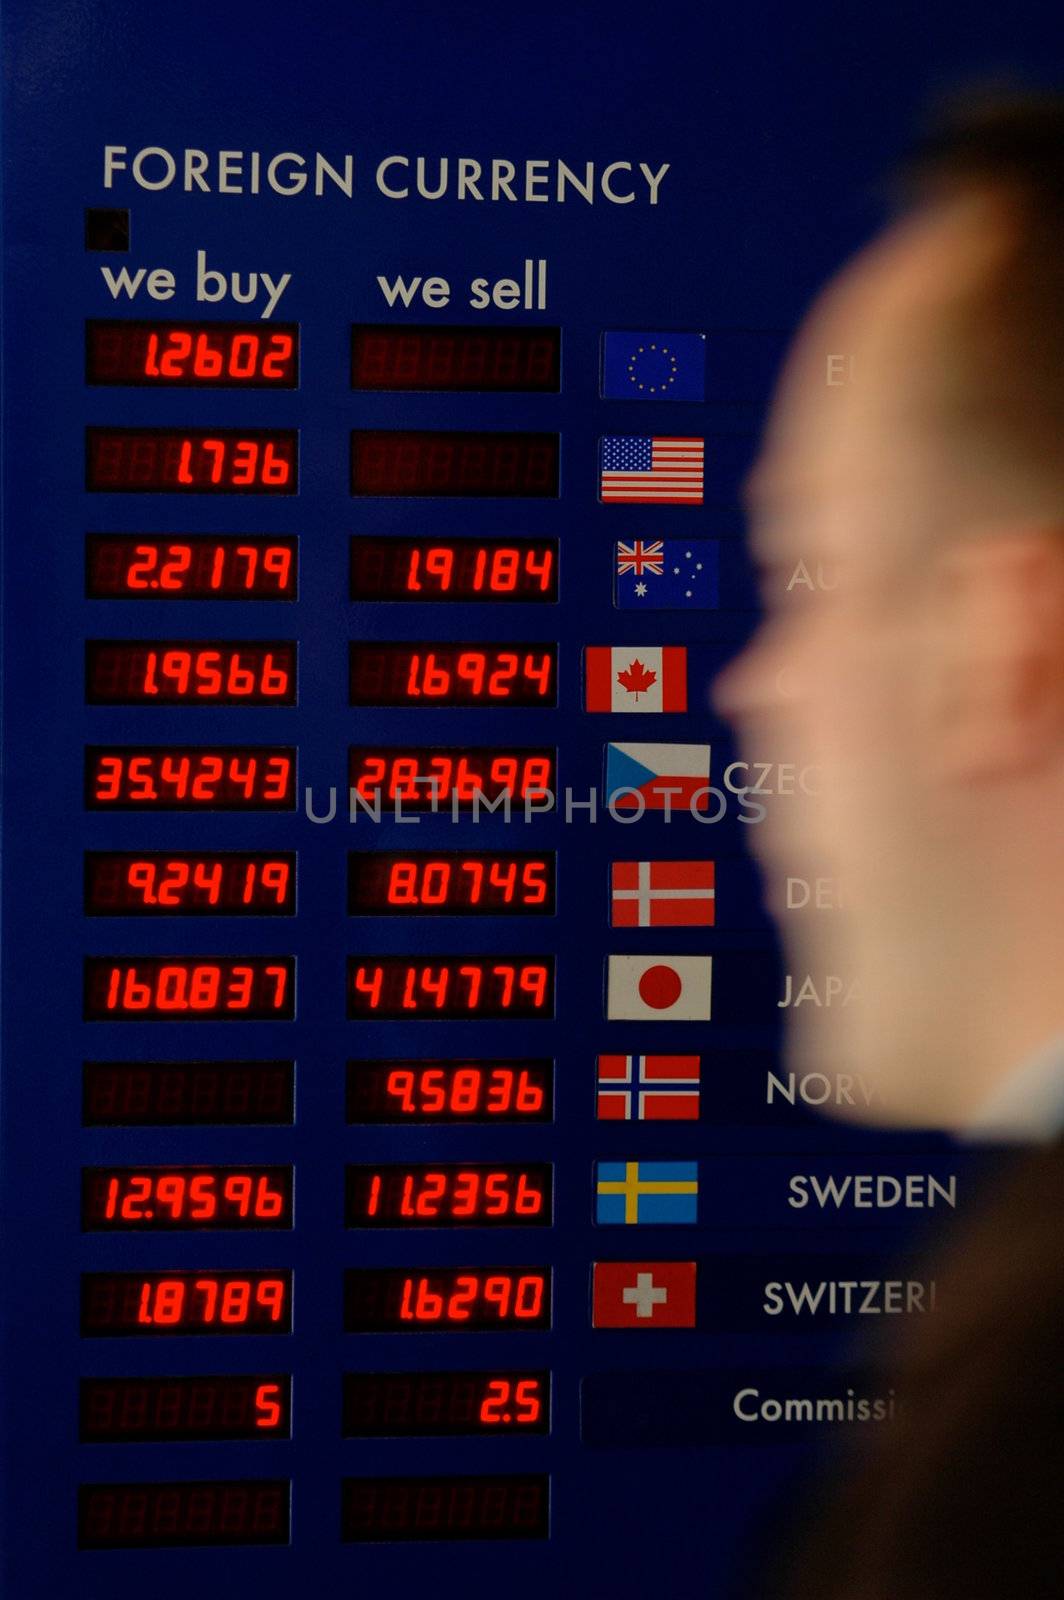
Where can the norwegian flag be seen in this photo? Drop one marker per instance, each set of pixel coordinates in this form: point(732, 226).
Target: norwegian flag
point(648, 1088)
point(641, 557)
point(660, 894)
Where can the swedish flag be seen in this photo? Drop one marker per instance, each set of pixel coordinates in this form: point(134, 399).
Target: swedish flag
point(646, 1191)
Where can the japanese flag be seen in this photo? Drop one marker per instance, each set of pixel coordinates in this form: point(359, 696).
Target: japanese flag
point(658, 988)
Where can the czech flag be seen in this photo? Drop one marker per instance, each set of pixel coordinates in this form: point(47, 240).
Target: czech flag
point(650, 770)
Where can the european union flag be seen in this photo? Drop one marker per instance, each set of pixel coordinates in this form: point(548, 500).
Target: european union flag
point(653, 366)
point(667, 574)
point(646, 1191)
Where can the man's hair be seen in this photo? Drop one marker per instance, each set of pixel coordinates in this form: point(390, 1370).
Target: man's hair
point(1016, 140)
point(1001, 351)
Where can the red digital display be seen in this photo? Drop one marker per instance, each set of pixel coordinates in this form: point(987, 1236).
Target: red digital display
point(151, 1516)
point(191, 460)
point(471, 1194)
point(405, 1510)
point(135, 1094)
point(451, 359)
point(450, 1091)
point(196, 777)
point(223, 566)
point(398, 988)
point(154, 1410)
point(454, 569)
point(436, 674)
point(435, 777)
point(192, 355)
point(475, 465)
point(189, 988)
point(147, 1199)
point(431, 1299)
point(418, 883)
point(157, 1304)
point(235, 883)
point(135, 672)
point(416, 1405)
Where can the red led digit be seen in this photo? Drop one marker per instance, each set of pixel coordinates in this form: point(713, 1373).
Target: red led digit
point(529, 1406)
point(192, 460)
point(154, 988)
point(186, 1197)
point(197, 566)
point(397, 987)
point(268, 1405)
point(445, 674)
point(191, 354)
point(455, 1091)
point(450, 881)
point(226, 884)
point(474, 1194)
point(190, 778)
point(133, 672)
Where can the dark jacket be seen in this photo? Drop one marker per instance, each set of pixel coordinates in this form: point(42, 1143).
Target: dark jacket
point(963, 1496)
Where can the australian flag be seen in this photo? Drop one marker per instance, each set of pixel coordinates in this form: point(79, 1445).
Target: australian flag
point(653, 366)
point(667, 574)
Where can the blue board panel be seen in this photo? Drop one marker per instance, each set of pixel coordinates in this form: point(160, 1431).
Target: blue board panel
point(628, 179)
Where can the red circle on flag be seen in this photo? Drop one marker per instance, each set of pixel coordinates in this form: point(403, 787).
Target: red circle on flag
point(660, 987)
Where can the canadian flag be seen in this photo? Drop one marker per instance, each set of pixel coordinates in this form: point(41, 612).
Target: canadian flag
point(638, 677)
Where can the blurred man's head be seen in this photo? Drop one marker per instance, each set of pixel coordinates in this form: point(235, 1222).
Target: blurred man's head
point(928, 682)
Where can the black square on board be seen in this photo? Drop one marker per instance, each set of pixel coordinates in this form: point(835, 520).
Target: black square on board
point(106, 229)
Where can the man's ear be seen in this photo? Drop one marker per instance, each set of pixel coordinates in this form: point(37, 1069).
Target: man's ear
point(995, 628)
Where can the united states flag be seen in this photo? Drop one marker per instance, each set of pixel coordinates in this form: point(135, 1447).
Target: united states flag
point(652, 471)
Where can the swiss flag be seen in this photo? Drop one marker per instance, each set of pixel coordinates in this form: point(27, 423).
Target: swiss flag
point(635, 677)
point(643, 1294)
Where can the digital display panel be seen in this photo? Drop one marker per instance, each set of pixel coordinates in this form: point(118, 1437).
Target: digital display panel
point(450, 1091)
point(133, 672)
point(437, 674)
point(435, 777)
point(190, 777)
point(150, 1199)
point(192, 355)
point(396, 1510)
point(452, 359)
point(397, 988)
point(233, 883)
point(146, 1516)
point(450, 882)
point(473, 465)
point(154, 1410)
point(415, 1405)
point(136, 1094)
point(470, 1194)
point(191, 460)
point(189, 988)
point(157, 1304)
point(431, 1299)
point(454, 569)
point(197, 566)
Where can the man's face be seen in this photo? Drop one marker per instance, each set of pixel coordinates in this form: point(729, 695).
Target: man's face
point(846, 676)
